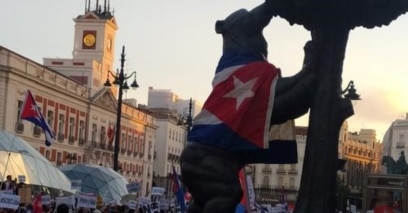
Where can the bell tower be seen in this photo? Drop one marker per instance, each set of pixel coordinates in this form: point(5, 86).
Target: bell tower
point(95, 32)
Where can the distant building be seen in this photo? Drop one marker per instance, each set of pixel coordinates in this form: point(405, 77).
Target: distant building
point(361, 151)
point(166, 99)
point(396, 138)
point(273, 182)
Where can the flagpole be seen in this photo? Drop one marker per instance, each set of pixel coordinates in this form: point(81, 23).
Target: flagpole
point(248, 204)
point(7, 161)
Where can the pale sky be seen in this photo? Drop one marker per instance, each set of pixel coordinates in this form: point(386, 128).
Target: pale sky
point(173, 45)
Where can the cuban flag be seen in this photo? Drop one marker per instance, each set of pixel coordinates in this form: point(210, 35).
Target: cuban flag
point(31, 112)
point(178, 190)
point(237, 113)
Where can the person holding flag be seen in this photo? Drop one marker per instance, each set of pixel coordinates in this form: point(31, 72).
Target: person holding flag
point(32, 113)
point(179, 192)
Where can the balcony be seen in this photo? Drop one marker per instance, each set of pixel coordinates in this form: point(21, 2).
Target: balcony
point(81, 141)
point(292, 172)
point(37, 131)
point(102, 145)
point(266, 170)
point(400, 145)
point(280, 171)
point(60, 137)
point(141, 155)
point(19, 127)
point(71, 139)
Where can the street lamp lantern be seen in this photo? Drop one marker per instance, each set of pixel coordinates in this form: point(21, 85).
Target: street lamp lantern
point(121, 82)
point(351, 92)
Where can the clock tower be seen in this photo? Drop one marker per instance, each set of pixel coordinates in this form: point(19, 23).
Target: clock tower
point(94, 37)
point(93, 52)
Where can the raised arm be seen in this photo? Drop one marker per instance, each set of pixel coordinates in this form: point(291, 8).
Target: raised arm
point(293, 94)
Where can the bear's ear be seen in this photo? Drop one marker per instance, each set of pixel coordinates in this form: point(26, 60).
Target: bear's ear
point(219, 27)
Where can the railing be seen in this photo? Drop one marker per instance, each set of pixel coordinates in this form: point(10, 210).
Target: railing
point(266, 170)
point(60, 137)
point(37, 131)
point(19, 127)
point(71, 139)
point(400, 145)
point(280, 171)
point(292, 171)
point(81, 141)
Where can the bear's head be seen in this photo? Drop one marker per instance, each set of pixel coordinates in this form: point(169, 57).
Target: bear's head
point(242, 33)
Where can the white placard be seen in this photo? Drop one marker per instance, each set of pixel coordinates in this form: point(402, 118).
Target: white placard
point(86, 201)
point(46, 199)
point(133, 187)
point(8, 191)
point(144, 200)
point(132, 204)
point(158, 191)
point(155, 207)
point(251, 192)
point(9, 201)
point(76, 184)
point(21, 178)
point(70, 201)
point(353, 208)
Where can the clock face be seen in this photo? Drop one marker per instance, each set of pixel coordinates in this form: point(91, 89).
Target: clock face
point(89, 40)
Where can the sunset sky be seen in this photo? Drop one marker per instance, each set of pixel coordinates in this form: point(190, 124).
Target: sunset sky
point(173, 45)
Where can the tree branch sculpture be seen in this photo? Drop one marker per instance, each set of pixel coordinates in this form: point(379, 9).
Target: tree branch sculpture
point(330, 22)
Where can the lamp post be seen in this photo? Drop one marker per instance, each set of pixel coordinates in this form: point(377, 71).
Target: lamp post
point(120, 81)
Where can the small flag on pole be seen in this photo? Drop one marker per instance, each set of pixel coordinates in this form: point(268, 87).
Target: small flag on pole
point(178, 191)
point(31, 112)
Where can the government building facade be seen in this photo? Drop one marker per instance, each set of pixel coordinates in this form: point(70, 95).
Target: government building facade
point(78, 108)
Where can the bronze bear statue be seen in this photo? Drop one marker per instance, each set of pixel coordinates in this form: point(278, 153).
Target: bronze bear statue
point(249, 97)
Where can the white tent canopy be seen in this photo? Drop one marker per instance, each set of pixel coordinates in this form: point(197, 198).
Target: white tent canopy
point(17, 157)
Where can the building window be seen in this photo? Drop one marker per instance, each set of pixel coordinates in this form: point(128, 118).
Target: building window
point(265, 181)
point(141, 146)
point(19, 106)
point(47, 154)
point(50, 118)
point(280, 181)
point(59, 158)
point(61, 127)
point(136, 145)
point(94, 131)
point(103, 135)
point(123, 141)
point(130, 143)
point(401, 138)
point(71, 129)
point(292, 182)
point(81, 132)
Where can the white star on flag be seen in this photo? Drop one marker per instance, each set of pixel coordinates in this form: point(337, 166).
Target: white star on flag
point(241, 90)
point(36, 110)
